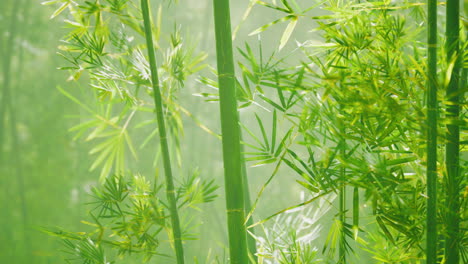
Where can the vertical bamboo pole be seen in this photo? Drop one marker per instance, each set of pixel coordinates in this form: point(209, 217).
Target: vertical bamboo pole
point(10, 50)
point(170, 192)
point(342, 205)
point(16, 146)
point(431, 218)
point(342, 191)
point(342, 248)
point(8, 112)
point(452, 154)
point(230, 129)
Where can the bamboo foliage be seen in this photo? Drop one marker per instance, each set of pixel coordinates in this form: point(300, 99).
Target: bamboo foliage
point(350, 116)
point(230, 128)
point(452, 154)
point(101, 44)
point(366, 70)
point(163, 139)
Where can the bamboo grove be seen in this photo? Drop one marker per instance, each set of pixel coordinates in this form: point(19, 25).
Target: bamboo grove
point(340, 128)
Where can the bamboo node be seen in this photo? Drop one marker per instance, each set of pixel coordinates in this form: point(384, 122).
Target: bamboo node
point(234, 210)
point(226, 75)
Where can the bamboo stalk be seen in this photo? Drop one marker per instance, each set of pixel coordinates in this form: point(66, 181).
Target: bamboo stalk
point(7, 111)
point(342, 193)
point(342, 197)
point(431, 173)
point(10, 50)
point(16, 146)
point(234, 185)
point(452, 154)
point(170, 192)
point(16, 161)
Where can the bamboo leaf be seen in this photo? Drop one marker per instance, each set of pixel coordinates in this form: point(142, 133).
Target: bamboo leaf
point(273, 7)
point(289, 208)
point(385, 229)
point(275, 105)
point(308, 186)
point(262, 147)
point(103, 155)
point(100, 147)
point(399, 161)
point(273, 131)
point(59, 10)
point(287, 32)
point(282, 144)
point(288, 7)
point(265, 27)
point(264, 162)
point(294, 167)
point(107, 166)
point(262, 129)
point(130, 145)
point(244, 18)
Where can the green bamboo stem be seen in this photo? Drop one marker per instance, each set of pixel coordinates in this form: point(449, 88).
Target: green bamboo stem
point(342, 197)
point(431, 173)
point(452, 154)
point(170, 192)
point(234, 186)
point(10, 50)
point(342, 194)
point(7, 109)
point(16, 146)
point(16, 161)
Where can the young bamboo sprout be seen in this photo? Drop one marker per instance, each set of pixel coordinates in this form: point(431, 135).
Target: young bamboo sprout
point(431, 219)
point(452, 158)
point(163, 136)
point(231, 135)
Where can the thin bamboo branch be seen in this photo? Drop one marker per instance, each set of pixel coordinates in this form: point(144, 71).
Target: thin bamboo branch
point(234, 184)
point(452, 154)
point(170, 192)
